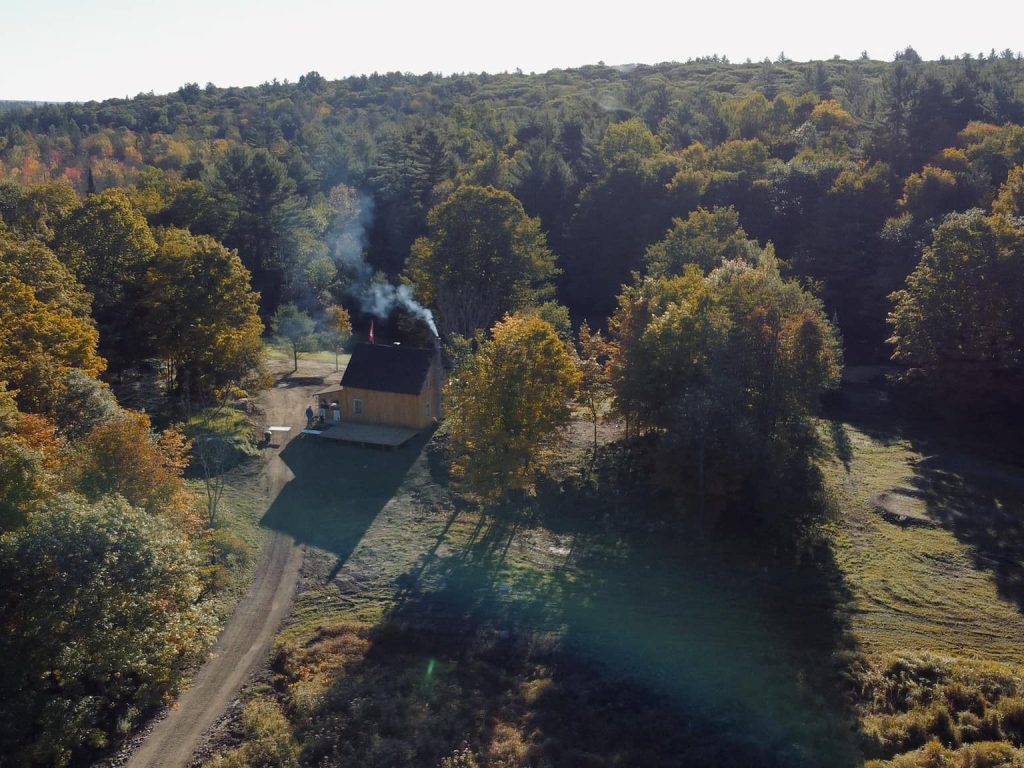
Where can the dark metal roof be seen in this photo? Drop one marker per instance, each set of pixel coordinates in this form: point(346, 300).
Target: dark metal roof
point(388, 368)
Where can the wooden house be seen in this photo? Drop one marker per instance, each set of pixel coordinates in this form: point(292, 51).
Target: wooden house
point(387, 385)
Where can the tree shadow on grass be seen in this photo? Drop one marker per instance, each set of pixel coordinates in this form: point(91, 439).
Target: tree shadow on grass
point(982, 504)
point(610, 638)
point(418, 693)
point(338, 490)
point(964, 484)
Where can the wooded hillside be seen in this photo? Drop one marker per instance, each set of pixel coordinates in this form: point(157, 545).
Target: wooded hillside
point(845, 166)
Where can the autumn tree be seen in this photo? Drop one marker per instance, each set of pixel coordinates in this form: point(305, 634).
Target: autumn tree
point(45, 329)
point(202, 316)
point(294, 328)
point(931, 192)
point(336, 328)
point(727, 368)
point(123, 456)
point(483, 257)
point(958, 325)
point(507, 403)
point(22, 466)
point(1010, 200)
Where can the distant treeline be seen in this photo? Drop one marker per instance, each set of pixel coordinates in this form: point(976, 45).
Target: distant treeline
point(845, 166)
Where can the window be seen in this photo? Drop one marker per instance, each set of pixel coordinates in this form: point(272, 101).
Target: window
point(357, 407)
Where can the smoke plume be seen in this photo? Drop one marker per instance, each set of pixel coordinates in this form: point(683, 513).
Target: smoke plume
point(354, 214)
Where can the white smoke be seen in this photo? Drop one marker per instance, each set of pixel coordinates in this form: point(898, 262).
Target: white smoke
point(379, 299)
point(354, 214)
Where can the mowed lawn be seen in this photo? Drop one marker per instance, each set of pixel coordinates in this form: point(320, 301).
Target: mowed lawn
point(594, 632)
point(950, 583)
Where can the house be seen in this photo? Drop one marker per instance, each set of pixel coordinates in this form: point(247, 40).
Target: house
point(387, 385)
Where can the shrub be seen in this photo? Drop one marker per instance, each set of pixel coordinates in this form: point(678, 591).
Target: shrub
point(990, 754)
point(270, 743)
point(892, 734)
point(941, 726)
point(1012, 719)
point(962, 698)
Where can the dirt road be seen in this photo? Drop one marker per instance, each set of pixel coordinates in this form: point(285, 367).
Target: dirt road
point(246, 640)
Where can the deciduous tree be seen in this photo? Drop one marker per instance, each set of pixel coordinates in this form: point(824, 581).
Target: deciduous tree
point(336, 330)
point(594, 355)
point(295, 328)
point(705, 238)
point(124, 456)
point(101, 615)
point(1010, 200)
point(484, 257)
point(108, 245)
point(506, 404)
point(958, 325)
point(202, 316)
point(728, 367)
point(45, 331)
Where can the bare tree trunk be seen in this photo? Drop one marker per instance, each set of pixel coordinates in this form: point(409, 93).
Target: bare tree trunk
point(211, 451)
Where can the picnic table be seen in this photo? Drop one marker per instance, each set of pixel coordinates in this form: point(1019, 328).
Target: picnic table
point(270, 431)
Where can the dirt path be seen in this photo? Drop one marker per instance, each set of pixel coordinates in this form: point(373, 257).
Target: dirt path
point(246, 640)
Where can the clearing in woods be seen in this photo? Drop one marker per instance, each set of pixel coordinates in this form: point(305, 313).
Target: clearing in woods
point(571, 628)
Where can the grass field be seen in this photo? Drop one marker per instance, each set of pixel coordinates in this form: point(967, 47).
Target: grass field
point(952, 585)
point(592, 631)
point(277, 355)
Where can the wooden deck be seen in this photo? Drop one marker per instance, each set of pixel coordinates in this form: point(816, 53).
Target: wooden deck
point(369, 434)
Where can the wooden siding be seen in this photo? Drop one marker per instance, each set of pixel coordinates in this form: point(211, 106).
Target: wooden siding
point(390, 408)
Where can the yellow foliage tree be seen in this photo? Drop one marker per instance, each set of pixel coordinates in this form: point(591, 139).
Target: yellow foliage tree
point(507, 403)
point(337, 327)
point(1010, 200)
point(45, 331)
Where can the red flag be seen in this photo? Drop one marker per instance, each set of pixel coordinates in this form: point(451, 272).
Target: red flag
point(371, 331)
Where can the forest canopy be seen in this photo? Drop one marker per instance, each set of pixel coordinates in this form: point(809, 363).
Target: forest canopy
point(844, 166)
point(695, 248)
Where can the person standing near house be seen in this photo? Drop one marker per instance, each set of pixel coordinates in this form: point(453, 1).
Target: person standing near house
point(309, 417)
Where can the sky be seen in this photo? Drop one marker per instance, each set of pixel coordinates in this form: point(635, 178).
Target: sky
point(77, 50)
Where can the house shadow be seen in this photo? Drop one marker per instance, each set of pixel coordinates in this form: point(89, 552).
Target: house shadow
point(337, 490)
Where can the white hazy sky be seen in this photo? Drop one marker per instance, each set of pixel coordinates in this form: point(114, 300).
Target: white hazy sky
point(58, 50)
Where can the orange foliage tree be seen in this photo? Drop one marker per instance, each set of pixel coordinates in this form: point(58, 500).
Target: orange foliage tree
point(123, 456)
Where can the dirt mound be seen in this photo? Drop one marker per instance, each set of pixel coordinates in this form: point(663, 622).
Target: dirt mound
point(904, 507)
